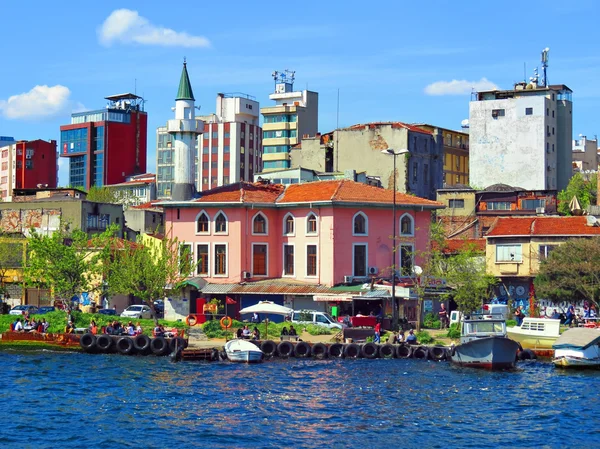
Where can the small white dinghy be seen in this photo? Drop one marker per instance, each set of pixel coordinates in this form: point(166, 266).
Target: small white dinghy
point(578, 348)
point(243, 351)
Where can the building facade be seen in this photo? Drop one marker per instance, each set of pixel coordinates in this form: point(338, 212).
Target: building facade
point(27, 165)
point(136, 190)
point(106, 146)
point(522, 137)
point(360, 146)
point(228, 150)
point(585, 154)
point(294, 115)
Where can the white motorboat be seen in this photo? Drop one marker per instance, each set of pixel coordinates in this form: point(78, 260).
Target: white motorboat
point(243, 351)
point(537, 334)
point(578, 348)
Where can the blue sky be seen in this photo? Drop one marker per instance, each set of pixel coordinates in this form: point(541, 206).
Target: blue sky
point(382, 56)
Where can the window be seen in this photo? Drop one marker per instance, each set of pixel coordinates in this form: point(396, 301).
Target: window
point(311, 224)
point(547, 111)
point(414, 174)
point(553, 130)
point(545, 251)
point(104, 221)
point(552, 114)
point(226, 149)
point(221, 223)
point(406, 260)
point(497, 113)
point(406, 225)
point(185, 258)
point(426, 173)
point(498, 205)
point(202, 224)
point(360, 260)
point(288, 225)
point(532, 204)
point(529, 111)
point(259, 224)
point(288, 260)
point(220, 260)
point(92, 221)
point(547, 130)
point(205, 165)
point(360, 224)
point(311, 260)
point(509, 253)
point(456, 204)
point(202, 259)
point(259, 259)
point(213, 165)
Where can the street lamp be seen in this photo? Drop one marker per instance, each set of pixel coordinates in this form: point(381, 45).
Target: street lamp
point(394, 153)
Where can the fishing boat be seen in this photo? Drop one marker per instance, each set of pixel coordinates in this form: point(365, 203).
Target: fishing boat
point(484, 344)
point(238, 350)
point(537, 334)
point(577, 348)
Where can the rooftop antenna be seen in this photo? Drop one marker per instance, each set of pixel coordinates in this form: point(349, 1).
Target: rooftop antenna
point(545, 65)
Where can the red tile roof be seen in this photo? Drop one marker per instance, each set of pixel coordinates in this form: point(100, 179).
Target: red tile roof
point(396, 125)
point(149, 205)
point(242, 192)
point(542, 226)
point(453, 246)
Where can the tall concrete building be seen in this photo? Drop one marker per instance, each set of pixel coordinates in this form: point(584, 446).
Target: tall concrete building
point(228, 150)
point(106, 146)
point(185, 130)
point(522, 137)
point(294, 115)
point(585, 154)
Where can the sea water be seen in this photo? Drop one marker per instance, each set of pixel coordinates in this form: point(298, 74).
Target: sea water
point(63, 400)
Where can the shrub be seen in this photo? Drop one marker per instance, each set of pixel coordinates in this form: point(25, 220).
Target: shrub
point(453, 331)
point(424, 338)
point(431, 321)
point(510, 323)
point(314, 329)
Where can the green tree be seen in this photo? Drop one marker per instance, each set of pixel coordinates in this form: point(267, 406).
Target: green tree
point(11, 257)
point(67, 262)
point(149, 272)
point(571, 272)
point(585, 192)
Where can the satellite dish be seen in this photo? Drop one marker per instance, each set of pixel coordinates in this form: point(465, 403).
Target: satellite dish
point(417, 270)
point(465, 123)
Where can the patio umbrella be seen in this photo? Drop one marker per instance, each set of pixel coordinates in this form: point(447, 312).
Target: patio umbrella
point(267, 308)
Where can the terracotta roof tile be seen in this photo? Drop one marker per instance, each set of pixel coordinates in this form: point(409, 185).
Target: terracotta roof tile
point(453, 246)
point(538, 226)
point(149, 205)
point(246, 192)
point(374, 125)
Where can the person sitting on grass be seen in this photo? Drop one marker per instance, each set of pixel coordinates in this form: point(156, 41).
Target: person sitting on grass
point(18, 326)
point(138, 329)
point(292, 331)
point(130, 329)
point(284, 331)
point(411, 339)
point(240, 333)
point(246, 332)
point(45, 325)
point(93, 327)
point(255, 334)
point(70, 328)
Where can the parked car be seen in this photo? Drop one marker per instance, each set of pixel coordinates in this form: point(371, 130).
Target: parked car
point(138, 311)
point(107, 311)
point(46, 309)
point(20, 310)
point(159, 307)
point(314, 317)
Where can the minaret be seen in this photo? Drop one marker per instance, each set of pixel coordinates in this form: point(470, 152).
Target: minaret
point(185, 130)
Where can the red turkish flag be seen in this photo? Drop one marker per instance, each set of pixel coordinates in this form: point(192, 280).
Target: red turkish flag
point(229, 300)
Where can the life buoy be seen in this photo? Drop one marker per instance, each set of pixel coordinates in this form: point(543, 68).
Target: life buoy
point(387, 351)
point(437, 353)
point(191, 320)
point(302, 349)
point(88, 342)
point(369, 350)
point(227, 320)
point(336, 350)
point(319, 351)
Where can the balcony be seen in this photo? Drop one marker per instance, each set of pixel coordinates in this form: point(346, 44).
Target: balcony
point(278, 109)
point(176, 126)
point(275, 156)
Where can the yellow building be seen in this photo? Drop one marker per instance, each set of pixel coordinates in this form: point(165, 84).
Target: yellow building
point(456, 155)
point(294, 115)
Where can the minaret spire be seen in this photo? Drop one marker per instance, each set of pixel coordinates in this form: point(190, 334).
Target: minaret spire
point(185, 87)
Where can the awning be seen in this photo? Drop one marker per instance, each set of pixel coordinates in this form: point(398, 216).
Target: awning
point(218, 288)
point(335, 298)
point(197, 282)
point(375, 294)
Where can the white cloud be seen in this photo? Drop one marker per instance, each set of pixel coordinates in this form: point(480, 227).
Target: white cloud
point(459, 87)
point(127, 26)
point(39, 102)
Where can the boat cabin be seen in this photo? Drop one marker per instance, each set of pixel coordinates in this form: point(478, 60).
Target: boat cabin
point(478, 327)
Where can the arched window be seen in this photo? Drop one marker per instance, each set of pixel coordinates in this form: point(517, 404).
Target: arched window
point(406, 225)
point(360, 224)
point(311, 224)
point(259, 224)
point(288, 224)
point(221, 223)
point(202, 223)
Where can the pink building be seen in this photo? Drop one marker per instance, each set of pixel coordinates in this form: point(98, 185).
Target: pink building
point(298, 245)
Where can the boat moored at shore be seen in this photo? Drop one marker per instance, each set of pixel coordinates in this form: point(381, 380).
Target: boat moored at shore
point(578, 348)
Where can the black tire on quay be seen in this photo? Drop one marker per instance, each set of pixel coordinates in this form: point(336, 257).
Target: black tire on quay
point(269, 348)
point(104, 343)
point(404, 352)
point(88, 342)
point(178, 342)
point(352, 351)
point(141, 343)
point(319, 351)
point(420, 352)
point(387, 351)
point(437, 353)
point(336, 350)
point(369, 351)
point(302, 349)
point(285, 349)
point(125, 345)
point(222, 356)
point(527, 354)
point(159, 346)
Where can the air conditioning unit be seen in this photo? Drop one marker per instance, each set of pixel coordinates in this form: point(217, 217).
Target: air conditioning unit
point(246, 275)
point(348, 279)
point(540, 210)
point(373, 270)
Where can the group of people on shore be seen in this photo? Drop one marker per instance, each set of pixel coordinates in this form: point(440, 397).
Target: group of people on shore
point(246, 334)
point(30, 325)
point(116, 328)
point(401, 337)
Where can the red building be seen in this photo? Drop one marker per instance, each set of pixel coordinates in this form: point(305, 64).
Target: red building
point(27, 165)
point(106, 146)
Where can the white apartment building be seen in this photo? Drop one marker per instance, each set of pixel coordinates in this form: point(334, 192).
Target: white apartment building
point(521, 137)
point(585, 154)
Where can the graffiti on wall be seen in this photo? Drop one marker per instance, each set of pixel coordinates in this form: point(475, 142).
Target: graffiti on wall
point(44, 221)
point(517, 291)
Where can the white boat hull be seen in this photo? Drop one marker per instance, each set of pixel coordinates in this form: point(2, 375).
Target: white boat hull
point(243, 351)
point(567, 361)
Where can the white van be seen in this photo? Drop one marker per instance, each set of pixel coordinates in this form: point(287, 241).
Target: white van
point(314, 317)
